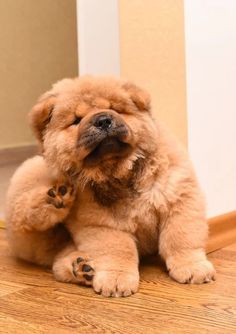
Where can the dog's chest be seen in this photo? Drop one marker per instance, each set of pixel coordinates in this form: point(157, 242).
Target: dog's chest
point(147, 227)
point(141, 220)
point(136, 216)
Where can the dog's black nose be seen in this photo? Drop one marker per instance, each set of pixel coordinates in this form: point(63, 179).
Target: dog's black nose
point(103, 122)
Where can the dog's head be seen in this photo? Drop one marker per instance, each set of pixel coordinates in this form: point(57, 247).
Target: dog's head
point(94, 127)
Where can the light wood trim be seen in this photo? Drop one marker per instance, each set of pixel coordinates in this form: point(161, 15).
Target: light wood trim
point(222, 231)
point(13, 155)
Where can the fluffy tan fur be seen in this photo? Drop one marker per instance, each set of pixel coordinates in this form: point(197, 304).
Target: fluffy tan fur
point(131, 190)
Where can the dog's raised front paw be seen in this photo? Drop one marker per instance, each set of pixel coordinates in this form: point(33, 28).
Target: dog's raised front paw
point(195, 272)
point(116, 283)
point(61, 195)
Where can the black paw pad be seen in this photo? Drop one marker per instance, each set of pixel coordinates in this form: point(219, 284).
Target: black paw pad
point(86, 268)
point(51, 193)
point(73, 270)
point(88, 277)
point(79, 259)
point(62, 190)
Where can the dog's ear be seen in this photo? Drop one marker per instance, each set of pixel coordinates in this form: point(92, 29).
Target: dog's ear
point(41, 114)
point(139, 96)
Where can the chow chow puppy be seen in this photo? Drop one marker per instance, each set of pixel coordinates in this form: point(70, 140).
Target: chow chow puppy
point(116, 180)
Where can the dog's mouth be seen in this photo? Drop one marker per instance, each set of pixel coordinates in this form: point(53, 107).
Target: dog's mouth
point(107, 149)
point(105, 137)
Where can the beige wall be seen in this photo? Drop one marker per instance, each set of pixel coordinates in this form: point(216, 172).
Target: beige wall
point(38, 47)
point(152, 54)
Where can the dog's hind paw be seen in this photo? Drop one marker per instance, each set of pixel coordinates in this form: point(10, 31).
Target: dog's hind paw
point(83, 271)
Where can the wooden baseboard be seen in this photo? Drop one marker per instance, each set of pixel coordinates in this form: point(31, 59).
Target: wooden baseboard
point(14, 155)
point(222, 231)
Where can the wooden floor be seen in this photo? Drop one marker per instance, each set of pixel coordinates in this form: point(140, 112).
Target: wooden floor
point(32, 302)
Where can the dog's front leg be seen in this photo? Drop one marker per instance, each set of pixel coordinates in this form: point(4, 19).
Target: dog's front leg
point(182, 241)
point(114, 257)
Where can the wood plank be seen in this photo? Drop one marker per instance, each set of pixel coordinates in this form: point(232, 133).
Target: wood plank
point(89, 311)
point(10, 287)
point(35, 303)
point(10, 325)
point(17, 154)
point(222, 231)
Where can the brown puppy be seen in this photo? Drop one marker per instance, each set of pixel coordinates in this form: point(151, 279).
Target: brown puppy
point(124, 188)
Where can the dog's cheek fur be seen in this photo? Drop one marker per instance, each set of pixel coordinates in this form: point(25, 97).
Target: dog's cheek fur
point(40, 115)
point(144, 130)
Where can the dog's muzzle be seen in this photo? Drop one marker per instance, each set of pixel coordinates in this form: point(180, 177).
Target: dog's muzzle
point(103, 121)
point(107, 136)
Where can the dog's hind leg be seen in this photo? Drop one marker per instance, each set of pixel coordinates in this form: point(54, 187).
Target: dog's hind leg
point(73, 266)
point(39, 247)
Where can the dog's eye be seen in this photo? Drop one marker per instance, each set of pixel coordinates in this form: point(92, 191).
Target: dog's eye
point(76, 121)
